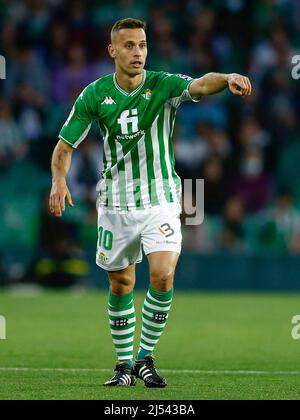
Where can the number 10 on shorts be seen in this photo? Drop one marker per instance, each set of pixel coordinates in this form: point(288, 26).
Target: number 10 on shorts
point(106, 238)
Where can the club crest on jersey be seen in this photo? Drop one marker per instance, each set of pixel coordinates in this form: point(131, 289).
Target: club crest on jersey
point(184, 76)
point(147, 94)
point(108, 101)
point(103, 258)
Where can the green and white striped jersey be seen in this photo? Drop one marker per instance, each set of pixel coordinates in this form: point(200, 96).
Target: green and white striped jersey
point(137, 128)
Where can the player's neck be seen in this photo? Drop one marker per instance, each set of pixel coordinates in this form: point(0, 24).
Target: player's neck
point(127, 83)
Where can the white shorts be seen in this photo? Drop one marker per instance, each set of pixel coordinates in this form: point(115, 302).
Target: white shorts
point(122, 235)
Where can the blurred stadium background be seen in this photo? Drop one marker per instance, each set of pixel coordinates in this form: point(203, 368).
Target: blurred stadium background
point(248, 151)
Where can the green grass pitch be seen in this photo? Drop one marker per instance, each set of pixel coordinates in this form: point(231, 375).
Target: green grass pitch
point(216, 346)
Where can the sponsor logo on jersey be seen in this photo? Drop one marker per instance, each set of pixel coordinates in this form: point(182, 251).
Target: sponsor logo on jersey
point(147, 94)
point(108, 101)
point(184, 76)
point(129, 117)
point(166, 230)
point(131, 136)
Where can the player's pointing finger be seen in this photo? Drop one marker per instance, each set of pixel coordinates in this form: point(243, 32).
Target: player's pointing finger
point(250, 86)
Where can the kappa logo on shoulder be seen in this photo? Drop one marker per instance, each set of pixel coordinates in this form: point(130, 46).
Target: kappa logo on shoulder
point(108, 101)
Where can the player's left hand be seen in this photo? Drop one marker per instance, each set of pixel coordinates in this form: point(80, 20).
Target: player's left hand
point(239, 85)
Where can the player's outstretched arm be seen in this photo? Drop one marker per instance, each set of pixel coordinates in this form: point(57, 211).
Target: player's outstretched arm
point(60, 165)
point(213, 83)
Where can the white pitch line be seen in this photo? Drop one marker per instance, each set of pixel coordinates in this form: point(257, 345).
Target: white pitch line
point(70, 370)
point(171, 371)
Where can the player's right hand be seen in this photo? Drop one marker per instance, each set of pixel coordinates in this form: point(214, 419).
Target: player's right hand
point(239, 85)
point(59, 194)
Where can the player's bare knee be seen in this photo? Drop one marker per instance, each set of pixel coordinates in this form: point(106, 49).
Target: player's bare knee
point(162, 280)
point(121, 285)
point(118, 290)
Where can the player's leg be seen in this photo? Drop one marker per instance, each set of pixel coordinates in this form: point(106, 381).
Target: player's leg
point(122, 282)
point(122, 323)
point(162, 266)
point(118, 250)
point(156, 308)
point(162, 240)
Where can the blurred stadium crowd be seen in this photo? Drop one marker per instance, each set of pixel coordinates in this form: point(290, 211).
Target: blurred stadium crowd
point(248, 151)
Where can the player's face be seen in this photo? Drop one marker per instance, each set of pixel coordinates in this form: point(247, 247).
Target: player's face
point(129, 49)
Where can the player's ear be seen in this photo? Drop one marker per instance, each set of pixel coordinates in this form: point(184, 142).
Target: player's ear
point(111, 51)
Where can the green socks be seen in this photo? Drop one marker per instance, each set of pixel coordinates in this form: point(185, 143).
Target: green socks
point(155, 314)
point(122, 324)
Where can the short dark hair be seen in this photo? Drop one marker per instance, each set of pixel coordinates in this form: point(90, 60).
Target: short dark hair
point(129, 23)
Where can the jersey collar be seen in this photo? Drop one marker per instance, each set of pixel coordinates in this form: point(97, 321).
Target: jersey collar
point(134, 91)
